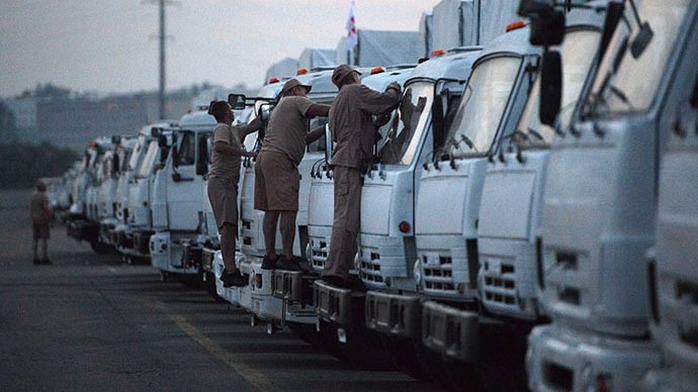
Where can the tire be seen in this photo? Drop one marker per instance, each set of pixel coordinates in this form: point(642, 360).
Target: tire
point(405, 358)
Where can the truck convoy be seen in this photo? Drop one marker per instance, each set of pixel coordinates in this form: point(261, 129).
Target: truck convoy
point(527, 222)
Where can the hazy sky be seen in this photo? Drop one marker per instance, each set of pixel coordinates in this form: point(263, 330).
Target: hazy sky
point(111, 45)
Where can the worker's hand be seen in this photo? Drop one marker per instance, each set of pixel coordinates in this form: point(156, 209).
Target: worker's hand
point(381, 119)
point(249, 154)
point(394, 86)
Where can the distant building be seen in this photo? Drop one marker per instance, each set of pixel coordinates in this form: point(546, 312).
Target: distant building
point(73, 122)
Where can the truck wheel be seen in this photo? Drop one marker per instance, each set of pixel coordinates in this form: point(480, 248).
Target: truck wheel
point(363, 350)
point(452, 375)
point(405, 358)
point(100, 247)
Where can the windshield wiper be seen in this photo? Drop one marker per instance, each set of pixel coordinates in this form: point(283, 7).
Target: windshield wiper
point(536, 134)
point(468, 142)
point(623, 98)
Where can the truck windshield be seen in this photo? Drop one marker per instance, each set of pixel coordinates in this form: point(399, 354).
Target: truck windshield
point(148, 161)
point(577, 52)
point(136, 154)
point(486, 96)
point(628, 84)
point(401, 142)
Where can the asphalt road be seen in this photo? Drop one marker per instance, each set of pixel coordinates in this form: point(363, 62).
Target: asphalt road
point(90, 323)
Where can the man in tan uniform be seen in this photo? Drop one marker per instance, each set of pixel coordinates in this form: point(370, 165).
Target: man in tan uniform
point(223, 183)
point(276, 170)
point(354, 132)
point(41, 219)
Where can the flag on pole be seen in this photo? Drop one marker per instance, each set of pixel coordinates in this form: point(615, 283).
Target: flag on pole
point(352, 38)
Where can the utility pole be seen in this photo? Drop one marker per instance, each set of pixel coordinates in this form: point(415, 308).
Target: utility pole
point(161, 92)
point(162, 38)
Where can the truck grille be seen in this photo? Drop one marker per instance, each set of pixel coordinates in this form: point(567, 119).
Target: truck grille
point(371, 267)
point(438, 276)
point(319, 251)
point(500, 289)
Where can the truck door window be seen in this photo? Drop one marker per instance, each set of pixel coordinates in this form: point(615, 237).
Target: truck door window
point(148, 161)
point(186, 152)
point(578, 52)
point(401, 143)
point(628, 84)
point(487, 93)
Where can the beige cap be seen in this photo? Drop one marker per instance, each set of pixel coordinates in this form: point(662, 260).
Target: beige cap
point(290, 84)
point(341, 72)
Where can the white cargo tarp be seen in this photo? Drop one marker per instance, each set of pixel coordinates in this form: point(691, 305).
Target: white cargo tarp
point(283, 68)
point(313, 58)
point(382, 48)
point(469, 22)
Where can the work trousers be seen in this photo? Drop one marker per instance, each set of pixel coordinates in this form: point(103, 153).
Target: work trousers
point(346, 225)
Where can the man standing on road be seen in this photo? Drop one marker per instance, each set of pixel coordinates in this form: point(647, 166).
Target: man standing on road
point(223, 183)
point(353, 129)
point(41, 220)
point(276, 170)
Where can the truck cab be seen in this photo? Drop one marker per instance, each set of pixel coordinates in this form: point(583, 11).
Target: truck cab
point(598, 227)
point(176, 195)
point(154, 148)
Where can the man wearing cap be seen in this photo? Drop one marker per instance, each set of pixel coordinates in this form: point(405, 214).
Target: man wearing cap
point(353, 129)
point(276, 170)
point(223, 183)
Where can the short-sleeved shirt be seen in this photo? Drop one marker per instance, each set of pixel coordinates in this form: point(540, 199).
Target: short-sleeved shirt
point(288, 127)
point(39, 206)
point(351, 123)
point(224, 165)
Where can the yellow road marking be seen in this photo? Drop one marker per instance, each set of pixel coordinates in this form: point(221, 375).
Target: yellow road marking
point(251, 375)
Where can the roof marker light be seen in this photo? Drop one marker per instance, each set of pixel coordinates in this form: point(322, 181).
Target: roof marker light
point(437, 53)
point(377, 70)
point(302, 71)
point(516, 25)
point(273, 80)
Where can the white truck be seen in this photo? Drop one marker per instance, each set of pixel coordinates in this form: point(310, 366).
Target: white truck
point(262, 305)
point(83, 217)
point(387, 197)
point(113, 188)
point(176, 195)
point(208, 243)
point(293, 289)
point(443, 263)
point(131, 235)
point(600, 208)
point(211, 258)
point(674, 272)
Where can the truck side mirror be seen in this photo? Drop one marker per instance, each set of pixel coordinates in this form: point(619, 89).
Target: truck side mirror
point(116, 165)
point(329, 144)
point(550, 87)
point(641, 41)
point(528, 8)
point(202, 161)
point(548, 29)
point(237, 101)
point(210, 107)
point(437, 110)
